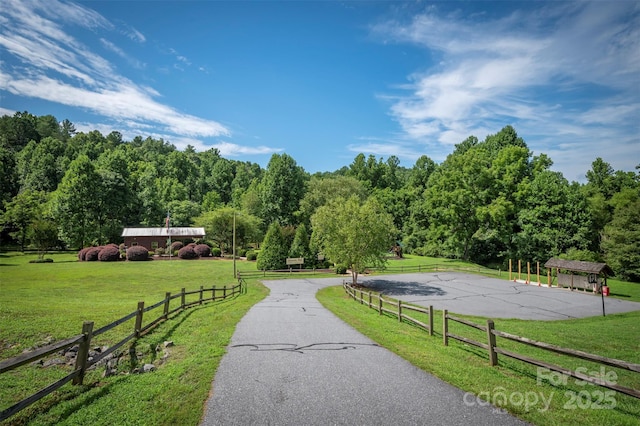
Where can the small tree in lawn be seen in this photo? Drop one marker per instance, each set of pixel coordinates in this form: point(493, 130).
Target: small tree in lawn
point(354, 234)
point(43, 234)
point(274, 250)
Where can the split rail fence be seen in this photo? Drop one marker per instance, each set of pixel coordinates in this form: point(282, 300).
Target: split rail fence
point(83, 340)
point(398, 308)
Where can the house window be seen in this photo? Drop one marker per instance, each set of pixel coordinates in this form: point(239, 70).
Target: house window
point(134, 243)
point(154, 245)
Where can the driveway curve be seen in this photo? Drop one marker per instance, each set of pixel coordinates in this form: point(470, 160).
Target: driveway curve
point(292, 362)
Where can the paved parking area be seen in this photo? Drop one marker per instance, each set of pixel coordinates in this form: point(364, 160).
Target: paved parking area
point(491, 297)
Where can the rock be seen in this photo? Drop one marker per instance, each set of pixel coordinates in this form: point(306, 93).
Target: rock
point(54, 361)
point(168, 343)
point(148, 368)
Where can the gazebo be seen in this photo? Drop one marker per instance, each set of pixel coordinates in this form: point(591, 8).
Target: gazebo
point(590, 275)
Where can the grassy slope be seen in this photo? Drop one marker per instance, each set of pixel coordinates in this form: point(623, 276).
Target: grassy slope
point(42, 300)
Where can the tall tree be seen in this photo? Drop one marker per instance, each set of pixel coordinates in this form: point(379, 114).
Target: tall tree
point(21, 212)
point(354, 234)
point(281, 190)
point(621, 242)
point(218, 225)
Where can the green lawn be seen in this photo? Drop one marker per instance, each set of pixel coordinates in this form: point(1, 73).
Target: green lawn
point(41, 302)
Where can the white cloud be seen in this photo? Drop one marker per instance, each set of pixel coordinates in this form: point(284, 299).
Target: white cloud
point(50, 64)
point(228, 149)
point(565, 75)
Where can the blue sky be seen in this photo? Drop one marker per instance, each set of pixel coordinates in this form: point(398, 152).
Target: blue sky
point(325, 80)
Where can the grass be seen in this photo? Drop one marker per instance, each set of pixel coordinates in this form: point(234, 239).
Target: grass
point(539, 397)
point(43, 302)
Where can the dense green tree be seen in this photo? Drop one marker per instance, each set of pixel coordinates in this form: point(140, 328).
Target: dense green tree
point(18, 130)
point(352, 233)
point(321, 190)
point(8, 176)
point(246, 173)
point(221, 179)
point(21, 212)
point(300, 246)
point(75, 204)
point(621, 242)
point(41, 165)
point(281, 190)
point(183, 212)
point(43, 234)
point(275, 249)
point(218, 225)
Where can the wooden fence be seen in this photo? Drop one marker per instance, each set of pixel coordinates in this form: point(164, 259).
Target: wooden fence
point(376, 301)
point(83, 340)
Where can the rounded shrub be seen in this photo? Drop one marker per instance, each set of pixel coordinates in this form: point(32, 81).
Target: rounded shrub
point(83, 253)
point(176, 245)
point(136, 253)
point(92, 254)
point(110, 253)
point(252, 255)
point(203, 250)
point(216, 252)
point(188, 252)
point(341, 269)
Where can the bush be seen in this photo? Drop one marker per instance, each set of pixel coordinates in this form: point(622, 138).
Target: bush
point(188, 252)
point(176, 245)
point(159, 251)
point(46, 260)
point(92, 254)
point(203, 250)
point(241, 252)
point(341, 269)
point(252, 255)
point(137, 253)
point(110, 253)
point(216, 252)
point(83, 253)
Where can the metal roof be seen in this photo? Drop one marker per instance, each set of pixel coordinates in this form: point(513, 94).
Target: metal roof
point(579, 266)
point(164, 232)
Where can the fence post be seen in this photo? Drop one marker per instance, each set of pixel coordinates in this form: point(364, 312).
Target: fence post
point(201, 290)
point(369, 299)
point(399, 310)
point(138, 325)
point(380, 304)
point(509, 269)
point(83, 351)
point(182, 298)
point(430, 320)
point(445, 328)
point(528, 272)
point(224, 292)
point(213, 293)
point(167, 300)
point(493, 356)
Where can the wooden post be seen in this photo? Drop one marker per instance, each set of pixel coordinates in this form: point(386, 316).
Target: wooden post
point(369, 299)
point(83, 352)
point(138, 325)
point(493, 356)
point(167, 300)
point(182, 298)
point(399, 310)
point(201, 290)
point(445, 328)
point(549, 277)
point(538, 269)
point(509, 269)
point(224, 292)
point(528, 272)
point(519, 269)
point(380, 304)
point(213, 293)
point(430, 320)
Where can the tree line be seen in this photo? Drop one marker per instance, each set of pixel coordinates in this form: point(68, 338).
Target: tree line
point(488, 201)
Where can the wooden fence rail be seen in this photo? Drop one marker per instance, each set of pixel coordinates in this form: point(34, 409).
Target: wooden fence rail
point(391, 306)
point(493, 350)
point(397, 308)
point(84, 340)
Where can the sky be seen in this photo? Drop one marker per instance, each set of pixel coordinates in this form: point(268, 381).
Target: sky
point(323, 81)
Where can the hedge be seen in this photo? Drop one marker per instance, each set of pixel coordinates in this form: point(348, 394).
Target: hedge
point(203, 250)
point(188, 252)
point(137, 253)
point(110, 253)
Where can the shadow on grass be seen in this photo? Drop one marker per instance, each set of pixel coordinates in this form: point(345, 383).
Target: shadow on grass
point(399, 288)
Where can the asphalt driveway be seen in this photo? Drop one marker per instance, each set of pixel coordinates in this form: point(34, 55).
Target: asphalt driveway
point(292, 362)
